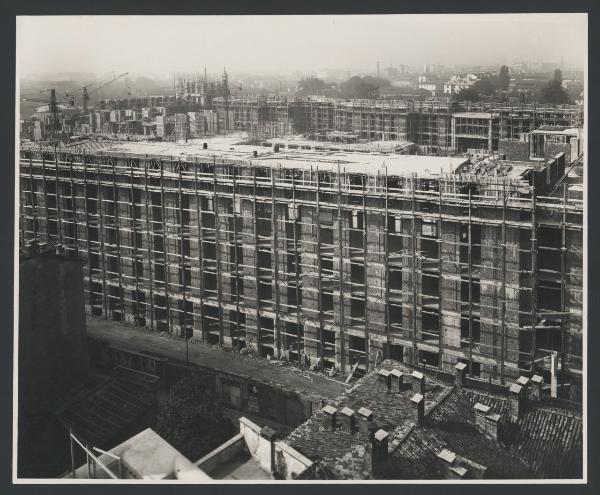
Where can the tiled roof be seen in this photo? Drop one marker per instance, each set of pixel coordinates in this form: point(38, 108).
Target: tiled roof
point(451, 426)
point(342, 454)
point(545, 443)
point(548, 436)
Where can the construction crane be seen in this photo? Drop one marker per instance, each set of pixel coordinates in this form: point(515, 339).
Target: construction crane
point(86, 94)
point(53, 103)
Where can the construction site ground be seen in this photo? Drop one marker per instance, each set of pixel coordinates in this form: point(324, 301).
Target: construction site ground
point(275, 373)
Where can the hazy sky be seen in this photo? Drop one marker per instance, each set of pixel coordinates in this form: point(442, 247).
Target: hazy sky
point(160, 44)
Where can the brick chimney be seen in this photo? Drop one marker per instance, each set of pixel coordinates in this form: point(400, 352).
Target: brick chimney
point(347, 417)
point(364, 417)
point(417, 382)
point(379, 451)
point(481, 412)
point(383, 376)
point(536, 388)
point(418, 406)
point(396, 377)
point(460, 374)
point(515, 400)
point(328, 420)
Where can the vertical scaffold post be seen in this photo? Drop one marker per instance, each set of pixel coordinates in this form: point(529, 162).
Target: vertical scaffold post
point(117, 227)
point(275, 259)
point(533, 277)
point(236, 260)
point(149, 242)
point(563, 278)
point(74, 215)
point(470, 275)
point(296, 266)
point(101, 237)
point(256, 267)
point(218, 250)
point(182, 263)
point(366, 272)
point(165, 249)
point(386, 264)
point(503, 288)
point(58, 197)
point(319, 265)
point(134, 255)
point(341, 272)
point(200, 252)
point(414, 270)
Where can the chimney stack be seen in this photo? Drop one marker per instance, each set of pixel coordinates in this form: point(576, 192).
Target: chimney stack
point(383, 377)
point(537, 386)
point(379, 451)
point(204, 146)
point(396, 378)
point(515, 399)
point(365, 416)
point(347, 417)
point(524, 382)
point(328, 420)
point(460, 374)
point(417, 382)
point(418, 405)
point(481, 412)
point(492, 426)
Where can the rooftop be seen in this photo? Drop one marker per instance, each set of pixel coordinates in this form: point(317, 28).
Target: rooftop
point(228, 149)
point(545, 442)
point(146, 456)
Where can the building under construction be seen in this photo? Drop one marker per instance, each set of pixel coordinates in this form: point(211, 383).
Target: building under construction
point(334, 260)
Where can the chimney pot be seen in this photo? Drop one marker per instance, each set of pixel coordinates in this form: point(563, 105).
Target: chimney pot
point(364, 416)
point(460, 375)
point(384, 377)
point(417, 381)
point(396, 379)
point(537, 385)
point(347, 416)
point(418, 408)
point(328, 421)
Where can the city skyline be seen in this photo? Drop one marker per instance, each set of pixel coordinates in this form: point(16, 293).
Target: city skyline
point(304, 43)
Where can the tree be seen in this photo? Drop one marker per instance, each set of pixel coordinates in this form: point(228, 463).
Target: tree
point(363, 87)
point(503, 79)
point(311, 86)
point(557, 76)
point(553, 92)
point(468, 94)
point(484, 87)
point(192, 418)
